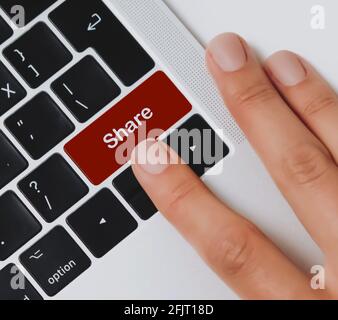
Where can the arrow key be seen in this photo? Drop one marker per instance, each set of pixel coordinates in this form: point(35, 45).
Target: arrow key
point(102, 223)
point(198, 145)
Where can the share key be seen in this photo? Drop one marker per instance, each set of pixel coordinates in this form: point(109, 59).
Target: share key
point(106, 145)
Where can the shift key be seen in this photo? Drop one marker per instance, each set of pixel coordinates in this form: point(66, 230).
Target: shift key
point(106, 145)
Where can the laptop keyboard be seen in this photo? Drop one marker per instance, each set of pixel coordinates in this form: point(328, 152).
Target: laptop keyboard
point(43, 176)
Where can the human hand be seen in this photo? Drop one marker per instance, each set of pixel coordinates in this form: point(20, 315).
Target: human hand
point(290, 116)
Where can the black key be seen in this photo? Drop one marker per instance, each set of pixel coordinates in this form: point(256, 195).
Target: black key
point(53, 188)
point(198, 145)
point(5, 30)
point(17, 225)
point(37, 55)
point(102, 223)
point(86, 89)
point(15, 286)
point(133, 193)
point(32, 8)
point(11, 91)
point(12, 163)
point(39, 125)
point(55, 261)
point(92, 24)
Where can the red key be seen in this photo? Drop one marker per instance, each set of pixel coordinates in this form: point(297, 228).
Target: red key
point(155, 104)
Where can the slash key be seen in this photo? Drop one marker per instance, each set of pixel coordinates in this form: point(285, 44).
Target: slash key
point(53, 188)
point(86, 88)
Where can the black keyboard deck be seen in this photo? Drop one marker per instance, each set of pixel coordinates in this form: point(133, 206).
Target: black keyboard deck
point(36, 129)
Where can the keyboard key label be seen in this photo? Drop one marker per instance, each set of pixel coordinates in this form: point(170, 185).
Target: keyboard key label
point(155, 106)
point(11, 91)
point(53, 188)
point(91, 26)
point(37, 55)
point(113, 140)
point(39, 125)
point(55, 261)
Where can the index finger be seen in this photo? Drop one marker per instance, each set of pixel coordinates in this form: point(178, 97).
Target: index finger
point(241, 255)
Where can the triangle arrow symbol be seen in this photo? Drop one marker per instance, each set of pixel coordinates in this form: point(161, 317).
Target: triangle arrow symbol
point(91, 27)
point(103, 221)
point(193, 148)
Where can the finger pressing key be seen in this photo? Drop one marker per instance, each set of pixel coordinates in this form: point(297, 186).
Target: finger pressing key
point(242, 256)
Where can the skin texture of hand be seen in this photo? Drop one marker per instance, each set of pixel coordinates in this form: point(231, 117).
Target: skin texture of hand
point(290, 116)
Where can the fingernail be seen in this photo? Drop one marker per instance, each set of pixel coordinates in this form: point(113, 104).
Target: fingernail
point(152, 156)
point(228, 52)
point(287, 68)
